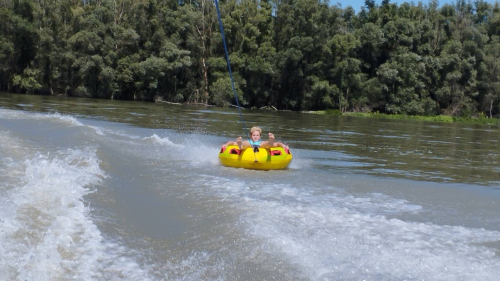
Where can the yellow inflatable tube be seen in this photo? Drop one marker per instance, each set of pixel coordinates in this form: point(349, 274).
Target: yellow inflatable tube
point(274, 158)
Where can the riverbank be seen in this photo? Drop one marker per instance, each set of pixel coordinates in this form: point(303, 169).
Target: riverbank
point(481, 119)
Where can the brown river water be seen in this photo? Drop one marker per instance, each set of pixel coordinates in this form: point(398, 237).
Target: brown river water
point(114, 190)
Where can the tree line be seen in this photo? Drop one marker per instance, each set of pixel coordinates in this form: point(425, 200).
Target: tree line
point(410, 58)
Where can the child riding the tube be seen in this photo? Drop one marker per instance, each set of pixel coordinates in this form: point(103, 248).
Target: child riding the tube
point(255, 141)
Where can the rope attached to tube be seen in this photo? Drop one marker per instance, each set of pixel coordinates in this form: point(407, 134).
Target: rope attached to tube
point(229, 64)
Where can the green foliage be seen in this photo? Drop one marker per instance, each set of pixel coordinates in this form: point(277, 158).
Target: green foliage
point(28, 80)
point(480, 119)
point(404, 60)
point(442, 118)
point(224, 95)
point(333, 112)
point(438, 118)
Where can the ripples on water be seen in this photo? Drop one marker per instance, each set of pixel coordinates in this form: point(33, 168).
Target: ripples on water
point(85, 198)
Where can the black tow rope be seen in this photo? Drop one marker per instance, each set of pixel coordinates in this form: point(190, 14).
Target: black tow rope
point(229, 64)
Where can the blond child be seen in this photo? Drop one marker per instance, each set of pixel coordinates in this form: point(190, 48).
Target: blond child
point(255, 141)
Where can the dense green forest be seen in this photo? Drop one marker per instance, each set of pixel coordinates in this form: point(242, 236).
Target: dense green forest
point(410, 58)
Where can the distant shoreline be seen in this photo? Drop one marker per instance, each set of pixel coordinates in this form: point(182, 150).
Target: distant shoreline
point(481, 119)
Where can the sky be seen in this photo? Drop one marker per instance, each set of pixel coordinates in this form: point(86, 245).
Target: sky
point(357, 4)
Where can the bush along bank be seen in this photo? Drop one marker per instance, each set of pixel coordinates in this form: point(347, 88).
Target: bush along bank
point(479, 119)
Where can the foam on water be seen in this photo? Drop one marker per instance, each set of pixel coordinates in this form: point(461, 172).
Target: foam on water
point(194, 267)
point(97, 130)
point(16, 114)
point(54, 117)
point(10, 170)
point(162, 141)
point(333, 236)
point(46, 231)
point(186, 150)
point(300, 163)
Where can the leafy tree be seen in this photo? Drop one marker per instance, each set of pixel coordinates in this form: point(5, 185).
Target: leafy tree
point(7, 47)
point(402, 82)
point(345, 71)
point(292, 54)
point(253, 50)
point(491, 81)
point(458, 80)
point(28, 80)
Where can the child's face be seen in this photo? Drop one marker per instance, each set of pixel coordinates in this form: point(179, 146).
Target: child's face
point(255, 136)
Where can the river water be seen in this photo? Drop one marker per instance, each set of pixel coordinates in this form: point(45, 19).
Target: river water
point(114, 190)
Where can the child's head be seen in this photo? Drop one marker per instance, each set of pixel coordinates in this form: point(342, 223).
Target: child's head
point(255, 133)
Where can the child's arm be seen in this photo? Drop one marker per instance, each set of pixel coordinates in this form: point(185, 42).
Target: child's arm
point(239, 142)
point(229, 143)
point(270, 143)
point(242, 144)
point(281, 145)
